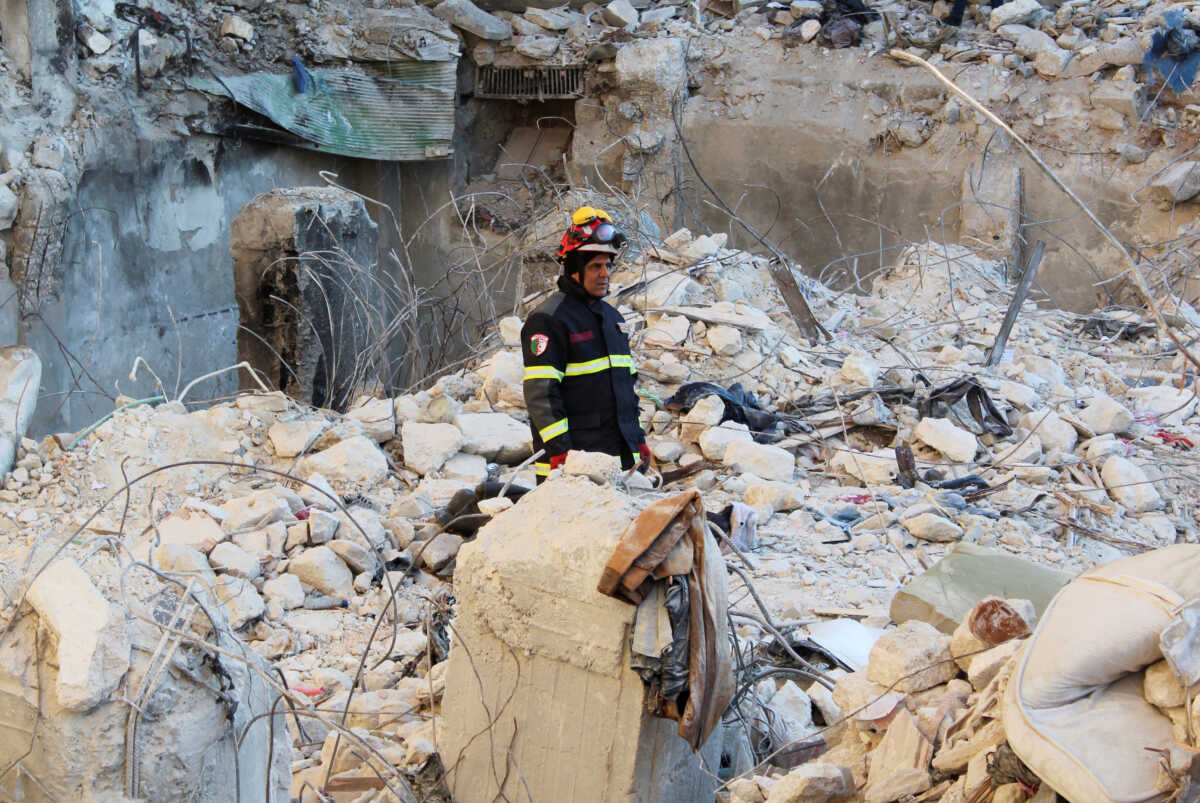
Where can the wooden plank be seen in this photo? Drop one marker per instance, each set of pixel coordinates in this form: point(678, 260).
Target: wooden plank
point(1014, 306)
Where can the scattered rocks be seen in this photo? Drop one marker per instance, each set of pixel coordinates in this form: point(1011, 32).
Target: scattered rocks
point(915, 656)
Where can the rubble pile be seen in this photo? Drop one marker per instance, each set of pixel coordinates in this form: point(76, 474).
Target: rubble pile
point(329, 541)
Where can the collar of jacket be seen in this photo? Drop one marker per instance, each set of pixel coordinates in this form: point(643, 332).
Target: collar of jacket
point(574, 289)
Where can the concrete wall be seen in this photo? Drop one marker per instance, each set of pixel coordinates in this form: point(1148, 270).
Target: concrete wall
point(797, 142)
point(147, 268)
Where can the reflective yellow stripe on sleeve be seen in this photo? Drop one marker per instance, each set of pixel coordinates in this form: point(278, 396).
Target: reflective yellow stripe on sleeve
point(589, 367)
point(623, 361)
point(541, 469)
point(559, 427)
point(543, 372)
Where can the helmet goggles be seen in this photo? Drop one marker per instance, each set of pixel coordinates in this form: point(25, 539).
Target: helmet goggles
point(591, 231)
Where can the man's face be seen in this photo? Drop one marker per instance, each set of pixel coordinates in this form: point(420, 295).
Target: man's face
point(594, 276)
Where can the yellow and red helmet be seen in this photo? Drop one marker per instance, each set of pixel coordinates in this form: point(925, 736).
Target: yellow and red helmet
point(591, 231)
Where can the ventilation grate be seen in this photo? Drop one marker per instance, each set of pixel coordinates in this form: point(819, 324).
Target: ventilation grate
point(529, 83)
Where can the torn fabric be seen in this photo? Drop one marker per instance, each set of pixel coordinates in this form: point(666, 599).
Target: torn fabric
point(654, 547)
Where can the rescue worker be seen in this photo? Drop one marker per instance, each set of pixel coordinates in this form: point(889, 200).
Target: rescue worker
point(578, 372)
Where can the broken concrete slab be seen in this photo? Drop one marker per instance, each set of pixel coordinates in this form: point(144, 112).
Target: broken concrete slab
point(93, 646)
point(944, 594)
point(472, 19)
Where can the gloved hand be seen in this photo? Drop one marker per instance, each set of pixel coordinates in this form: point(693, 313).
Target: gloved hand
point(556, 460)
point(644, 451)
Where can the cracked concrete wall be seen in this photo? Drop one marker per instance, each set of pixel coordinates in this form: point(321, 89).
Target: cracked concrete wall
point(146, 266)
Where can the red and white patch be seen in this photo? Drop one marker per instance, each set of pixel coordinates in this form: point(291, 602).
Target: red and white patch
point(538, 344)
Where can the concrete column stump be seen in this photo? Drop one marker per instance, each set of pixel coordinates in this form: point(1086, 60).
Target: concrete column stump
point(539, 693)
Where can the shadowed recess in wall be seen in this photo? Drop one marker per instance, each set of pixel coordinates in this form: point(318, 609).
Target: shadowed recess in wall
point(403, 112)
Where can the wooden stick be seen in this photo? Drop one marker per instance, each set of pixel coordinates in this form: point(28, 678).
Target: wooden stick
point(1014, 306)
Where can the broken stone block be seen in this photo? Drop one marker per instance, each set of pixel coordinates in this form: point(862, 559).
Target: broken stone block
point(1162, 688)
point(667, 330)
point(620, 14)
point(870, 468)
point(356, 556)
point(859, 371)
point(196, 530)
point(1171, 406)
point(516, 590)
point(986, 665)
point(813, 782)
point(437, 553)
point(761, 460)
point(914, 648)
point(715, 440)
point(552, 19)
point(322, 569)
point(809, 30)
point(705, 414)
point(20, 379)
point(378, 417)
point(286, 589)
point(471, 469)
point(1052, 61)
point(237, 27)
point(93, 647)
point(1104, 415)
point(357, 461)
point(924, 523)
point(240, 600)
point(600, 468)
point(495, 436)
point(256, 510)
point(536, 47)
point(322, 526)
point(806, 8)
point(428, 446)
point(472, 19)
point(291, 438)
point(791, 714)
point(232, 559)
point(1014, 13)
point(953, 441)
point(900, 764)
point(8, 207)
point(182, 559)
point(745, 790)
point(1181, 182)
point(1128, 484)
point(1055, 434)
point(724, 340)
point(1027, 449)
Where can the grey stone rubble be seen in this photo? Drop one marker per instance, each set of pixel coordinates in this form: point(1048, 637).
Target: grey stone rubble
point(304, 567)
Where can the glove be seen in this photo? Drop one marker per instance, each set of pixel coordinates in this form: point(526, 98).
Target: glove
point(644, 451)
point(556, 460)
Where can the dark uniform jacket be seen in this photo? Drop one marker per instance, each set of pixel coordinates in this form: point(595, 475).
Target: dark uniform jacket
point(579, 378)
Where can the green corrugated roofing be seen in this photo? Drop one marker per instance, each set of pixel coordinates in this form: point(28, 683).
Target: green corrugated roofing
point(403, 113)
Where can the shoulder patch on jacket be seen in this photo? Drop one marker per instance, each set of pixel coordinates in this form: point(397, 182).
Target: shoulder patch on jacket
point(538, 344)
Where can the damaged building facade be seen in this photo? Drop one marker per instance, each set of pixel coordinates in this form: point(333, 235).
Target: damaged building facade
point(912, 305)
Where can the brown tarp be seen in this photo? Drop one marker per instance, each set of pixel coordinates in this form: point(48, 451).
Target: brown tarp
point(669, 539)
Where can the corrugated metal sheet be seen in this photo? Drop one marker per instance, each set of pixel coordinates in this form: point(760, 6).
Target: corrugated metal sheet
point(402, 111)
